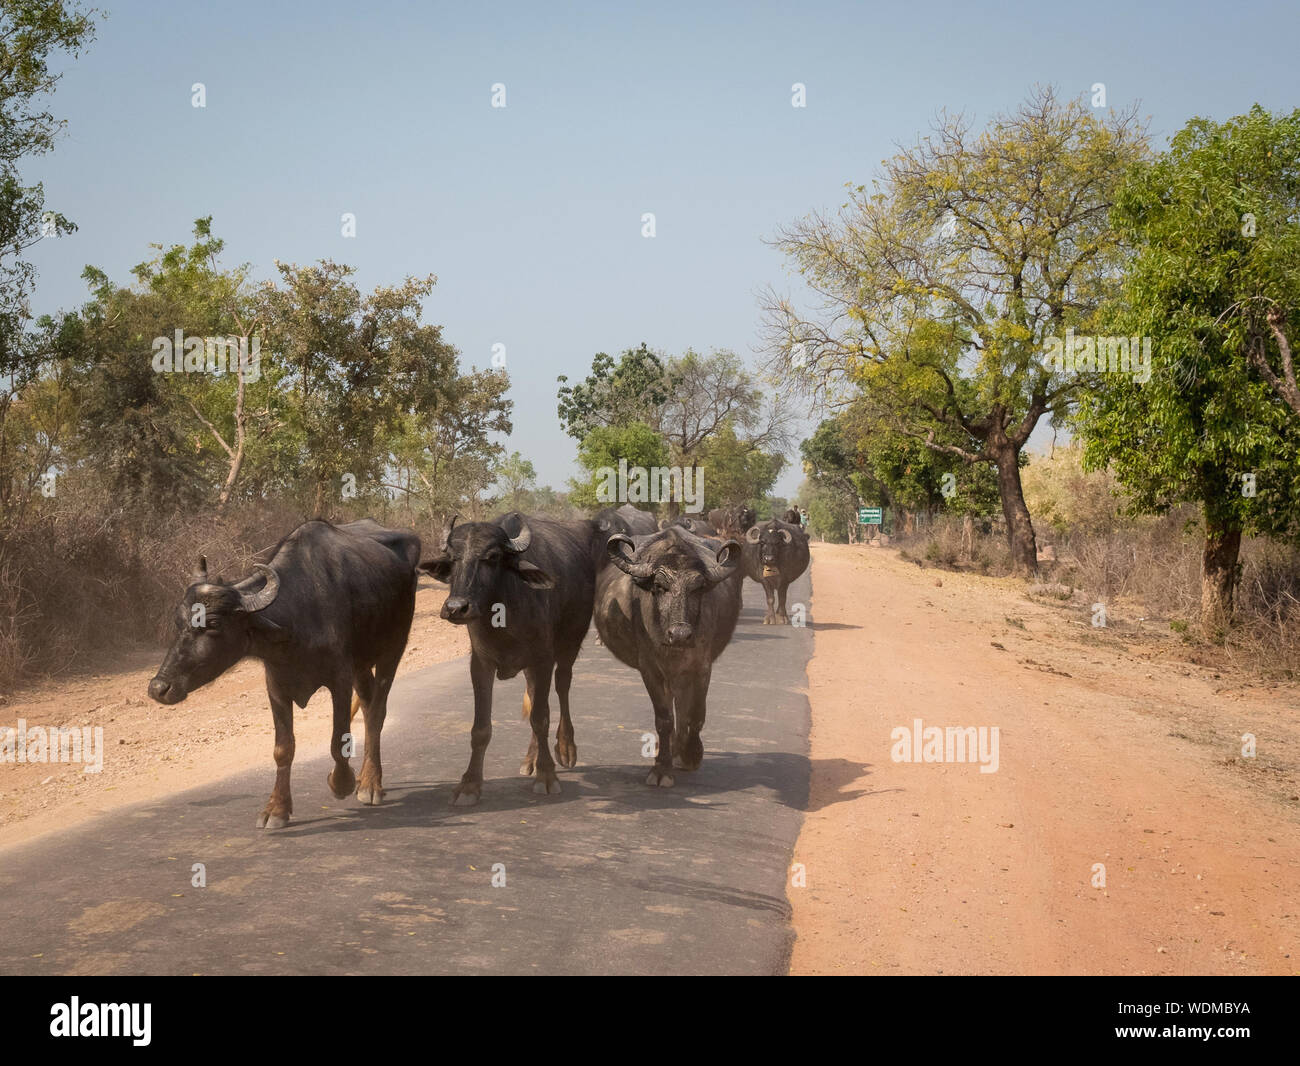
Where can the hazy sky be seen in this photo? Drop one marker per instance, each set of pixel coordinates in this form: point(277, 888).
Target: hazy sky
point(530, 215)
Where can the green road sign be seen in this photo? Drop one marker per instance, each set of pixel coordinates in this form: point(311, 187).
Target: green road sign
point(869, 516)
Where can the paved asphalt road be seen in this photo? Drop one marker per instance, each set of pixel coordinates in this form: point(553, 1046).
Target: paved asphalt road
point(611, 876)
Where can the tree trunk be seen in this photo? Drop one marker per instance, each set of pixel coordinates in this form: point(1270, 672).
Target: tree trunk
point(1218, 577)
point(1020, 529)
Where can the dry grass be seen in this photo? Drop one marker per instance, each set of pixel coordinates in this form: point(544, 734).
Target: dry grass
point(1150, 568)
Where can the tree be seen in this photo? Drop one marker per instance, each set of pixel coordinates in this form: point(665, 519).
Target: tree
point(516, 475)
point(354, 365)
point(736, 470)
point(1210, 287)
point(710, 392)
point(614, 394)
point(30, 34)
point(219, 306)
point(704, 408)
point(636, 443)
point(970, 252)
point(445, 454)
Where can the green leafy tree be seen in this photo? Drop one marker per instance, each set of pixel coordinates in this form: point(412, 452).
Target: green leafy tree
point(355, 365)
point(31, 35)
point(1210, 287)
point(516, 476)
point(445, 453)
point(736, 470)
point(600, 453)
point(633, 389)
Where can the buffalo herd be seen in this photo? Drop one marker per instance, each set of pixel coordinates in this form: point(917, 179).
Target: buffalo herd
point(332, 608)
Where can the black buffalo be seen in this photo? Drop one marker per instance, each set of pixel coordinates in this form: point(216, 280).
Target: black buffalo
point(332, 609)
point(732, 521)
point(695, 524)
point(667, 608)
point(776, 553)
point(628, 520)
point(792, 517)
point(524, 589)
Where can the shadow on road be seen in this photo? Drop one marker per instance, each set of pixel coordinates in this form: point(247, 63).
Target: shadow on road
point(621, 788)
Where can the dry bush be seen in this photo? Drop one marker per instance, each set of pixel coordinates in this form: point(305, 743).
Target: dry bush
point(79, 583)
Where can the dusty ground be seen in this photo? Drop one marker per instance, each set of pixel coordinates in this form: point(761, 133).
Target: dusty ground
point(1111, 751)
point(151, 750)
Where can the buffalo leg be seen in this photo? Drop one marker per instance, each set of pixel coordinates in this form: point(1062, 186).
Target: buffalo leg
point(769, 590)
point(691, 705)
point(279, 807)
point(539, 680)
point(530, 757)
point(341, 780)
point(470, 788)
point(782, 612)
point(370, 788)
point(661, 698)
point(566, 748)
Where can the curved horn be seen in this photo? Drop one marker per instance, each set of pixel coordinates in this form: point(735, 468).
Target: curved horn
point(752, 534)
point(625, 562)
point(446, 533)
point(260, 600)
point(520, 543)
point(728, 558)
point(786, 534)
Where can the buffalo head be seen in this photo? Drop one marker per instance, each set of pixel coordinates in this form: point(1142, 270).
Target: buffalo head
point(677, 575)
point(476, 558)
point(770, 539)
point(215, 623)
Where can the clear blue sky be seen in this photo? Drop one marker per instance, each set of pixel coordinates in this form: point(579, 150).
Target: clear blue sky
point(531, 216)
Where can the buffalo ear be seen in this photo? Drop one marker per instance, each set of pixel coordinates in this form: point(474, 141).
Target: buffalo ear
point(438, 567)
point(534, 575)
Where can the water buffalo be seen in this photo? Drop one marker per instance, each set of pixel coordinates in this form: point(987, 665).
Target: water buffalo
point(524, 589)
point(668, 607)
point(332, 609)
point(628, 520)
point(776, 553)
point(792, 517)
point(696, 525)
point(732, 521)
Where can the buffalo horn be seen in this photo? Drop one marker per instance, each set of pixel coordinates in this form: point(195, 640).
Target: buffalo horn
point(625, 562)
point(257, 601)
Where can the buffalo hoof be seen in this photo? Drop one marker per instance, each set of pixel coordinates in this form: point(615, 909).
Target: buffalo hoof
point(566, 753)
point(342, 786)
point(527, 766)
point(547, 784)
point(466, 794)
point(370, 795)
point(659, 779)
point(272, 820)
